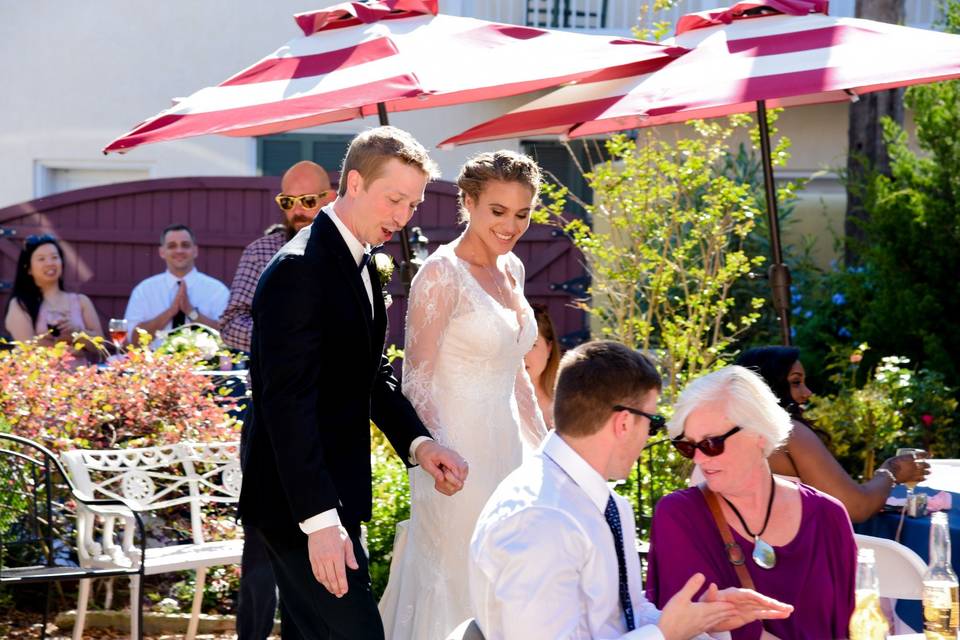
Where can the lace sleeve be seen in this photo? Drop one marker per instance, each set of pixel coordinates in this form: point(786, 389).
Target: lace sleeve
point(533, 427)
point(433, 298)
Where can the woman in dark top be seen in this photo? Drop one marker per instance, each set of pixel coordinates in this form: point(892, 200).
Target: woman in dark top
point(805, 456)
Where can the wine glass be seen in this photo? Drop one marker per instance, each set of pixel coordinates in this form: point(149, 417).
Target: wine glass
point(118, 332)
point(916, 453)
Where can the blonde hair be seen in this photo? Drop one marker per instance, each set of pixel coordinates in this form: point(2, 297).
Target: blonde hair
point(372, 149)
point(746, 399)
point(503, 166)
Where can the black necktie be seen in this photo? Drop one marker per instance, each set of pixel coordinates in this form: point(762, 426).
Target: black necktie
point(613, 519)
point(179, 318)
point(365, 260)
point(368, 256)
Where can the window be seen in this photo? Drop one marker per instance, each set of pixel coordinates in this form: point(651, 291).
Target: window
point(52, 177)
point(276, 154)
point(563, 164)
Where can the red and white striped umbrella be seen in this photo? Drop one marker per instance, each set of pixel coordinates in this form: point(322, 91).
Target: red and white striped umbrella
point(745, 57)
point(355, 56)
point(784, 52)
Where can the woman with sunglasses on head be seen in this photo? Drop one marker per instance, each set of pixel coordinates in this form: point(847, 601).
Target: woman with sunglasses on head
point(805, 454)
point(542, 362)
point(795, 544)
point(39, 306)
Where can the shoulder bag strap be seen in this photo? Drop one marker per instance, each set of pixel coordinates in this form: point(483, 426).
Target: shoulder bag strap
point(732, 549)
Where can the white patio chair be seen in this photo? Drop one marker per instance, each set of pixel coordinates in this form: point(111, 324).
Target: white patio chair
point(899, 569)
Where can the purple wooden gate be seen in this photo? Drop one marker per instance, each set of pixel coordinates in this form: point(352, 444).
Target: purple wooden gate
point(110, 236)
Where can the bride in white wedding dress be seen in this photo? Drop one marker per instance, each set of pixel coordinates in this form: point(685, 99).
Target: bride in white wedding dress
point(468, 328)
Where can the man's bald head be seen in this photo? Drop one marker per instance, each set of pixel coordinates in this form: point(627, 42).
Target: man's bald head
point(305, 178)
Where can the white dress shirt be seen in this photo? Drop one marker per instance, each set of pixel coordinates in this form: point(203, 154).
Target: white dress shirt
point(542, 559)
point(330, 517)
point(154, 295)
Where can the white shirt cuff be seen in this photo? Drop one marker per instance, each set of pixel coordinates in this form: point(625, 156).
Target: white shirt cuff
point(413, 447)
point(329, 518)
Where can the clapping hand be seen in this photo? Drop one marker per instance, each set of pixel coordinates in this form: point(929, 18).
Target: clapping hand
point(448, 469)
point(183, 299)
point(62, 323)
point(750, 606)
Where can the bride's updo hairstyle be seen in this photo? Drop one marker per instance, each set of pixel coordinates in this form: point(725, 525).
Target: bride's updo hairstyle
point(502, 166)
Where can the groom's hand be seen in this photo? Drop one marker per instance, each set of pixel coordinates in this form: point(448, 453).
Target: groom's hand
point(448, 469)
point(329, 549)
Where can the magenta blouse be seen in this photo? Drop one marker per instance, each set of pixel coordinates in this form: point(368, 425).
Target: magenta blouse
point(815, 572)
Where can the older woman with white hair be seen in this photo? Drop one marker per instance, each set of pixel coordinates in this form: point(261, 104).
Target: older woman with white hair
point(745, 527)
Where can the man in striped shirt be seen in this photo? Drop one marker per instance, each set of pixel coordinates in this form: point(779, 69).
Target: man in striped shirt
point(305, 188)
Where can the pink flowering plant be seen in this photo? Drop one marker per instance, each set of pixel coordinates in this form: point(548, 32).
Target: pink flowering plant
point(143, 399)
point(875, 410)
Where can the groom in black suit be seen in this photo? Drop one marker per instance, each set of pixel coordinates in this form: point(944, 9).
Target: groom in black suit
point(318, 376)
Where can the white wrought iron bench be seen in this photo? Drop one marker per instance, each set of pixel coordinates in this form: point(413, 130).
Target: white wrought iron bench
point(149, 480)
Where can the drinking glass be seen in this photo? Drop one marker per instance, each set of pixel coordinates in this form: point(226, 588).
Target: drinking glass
point(118, 332)
point(916, 453)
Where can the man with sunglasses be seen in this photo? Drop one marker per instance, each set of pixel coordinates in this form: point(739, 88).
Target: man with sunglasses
point(304, 190)
point(553, 553)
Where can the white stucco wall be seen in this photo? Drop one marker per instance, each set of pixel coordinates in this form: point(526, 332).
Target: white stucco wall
point(75, 75)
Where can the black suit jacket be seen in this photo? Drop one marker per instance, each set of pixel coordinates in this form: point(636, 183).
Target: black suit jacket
point(318, 376)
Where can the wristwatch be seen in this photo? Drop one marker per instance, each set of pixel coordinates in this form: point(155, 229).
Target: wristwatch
point(193, 315)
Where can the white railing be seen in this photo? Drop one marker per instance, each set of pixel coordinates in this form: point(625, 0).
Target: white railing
point(618, 17)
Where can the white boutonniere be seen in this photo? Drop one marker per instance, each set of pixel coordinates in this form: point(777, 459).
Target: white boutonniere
point(384, 265)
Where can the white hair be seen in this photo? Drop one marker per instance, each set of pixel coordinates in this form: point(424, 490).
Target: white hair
point(747, 402)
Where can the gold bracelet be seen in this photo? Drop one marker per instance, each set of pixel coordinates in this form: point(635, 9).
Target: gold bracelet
point(893, 478)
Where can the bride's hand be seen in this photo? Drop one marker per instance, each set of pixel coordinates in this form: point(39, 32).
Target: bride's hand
point(448, 469)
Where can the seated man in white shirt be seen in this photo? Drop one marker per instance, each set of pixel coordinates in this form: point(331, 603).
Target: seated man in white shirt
point(179, 295)
point(553, 553)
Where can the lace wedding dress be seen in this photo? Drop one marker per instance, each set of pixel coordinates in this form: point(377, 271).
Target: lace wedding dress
point(463, 371)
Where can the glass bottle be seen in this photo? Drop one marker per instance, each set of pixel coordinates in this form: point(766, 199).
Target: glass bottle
point(940, 584)
point(868, 621)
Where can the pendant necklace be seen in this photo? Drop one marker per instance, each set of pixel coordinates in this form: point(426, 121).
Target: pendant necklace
point(502, 299)
point(763, 554)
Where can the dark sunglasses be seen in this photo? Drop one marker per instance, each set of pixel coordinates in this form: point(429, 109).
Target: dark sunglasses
point(712, 446)
point(657, 422)
point(41, 239)
point(307, 201)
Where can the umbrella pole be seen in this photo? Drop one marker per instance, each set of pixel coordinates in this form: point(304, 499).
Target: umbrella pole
point(779, 273)
point(407, 268)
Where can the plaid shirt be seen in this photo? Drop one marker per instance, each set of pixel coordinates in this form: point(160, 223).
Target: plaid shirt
point(236, 323)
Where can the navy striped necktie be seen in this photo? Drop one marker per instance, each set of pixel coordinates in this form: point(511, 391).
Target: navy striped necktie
point(613, 519)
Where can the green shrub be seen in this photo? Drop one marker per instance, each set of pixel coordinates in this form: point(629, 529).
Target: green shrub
point(391, 505)
point(877, 409)
point(668, 243)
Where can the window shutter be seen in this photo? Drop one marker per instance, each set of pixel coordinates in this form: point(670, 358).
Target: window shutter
point(278, 154)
